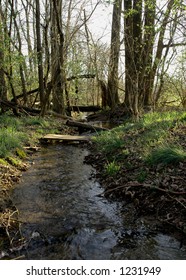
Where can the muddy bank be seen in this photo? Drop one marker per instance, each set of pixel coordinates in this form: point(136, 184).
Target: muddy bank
point(163, 210)
point(9, 216)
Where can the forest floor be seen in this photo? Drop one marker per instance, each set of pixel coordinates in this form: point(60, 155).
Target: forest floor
point(142, 163)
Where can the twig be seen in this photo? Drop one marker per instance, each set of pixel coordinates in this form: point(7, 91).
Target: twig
point(135, 184)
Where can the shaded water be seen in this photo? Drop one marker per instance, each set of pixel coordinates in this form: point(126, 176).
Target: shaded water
point(65, 218)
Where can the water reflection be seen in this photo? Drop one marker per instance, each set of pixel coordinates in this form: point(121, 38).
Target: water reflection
point(65, 218)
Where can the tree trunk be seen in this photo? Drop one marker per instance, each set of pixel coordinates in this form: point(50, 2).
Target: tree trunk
point(57, 58)
point(3, 89)
point(159, 52)
point(131, 74)
point(147, 80)
point(40, 59)
point(112, 86)
point(141, 64)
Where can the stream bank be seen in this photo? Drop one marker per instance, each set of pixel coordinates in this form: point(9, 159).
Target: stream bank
point(64, 216)
point(135, 229)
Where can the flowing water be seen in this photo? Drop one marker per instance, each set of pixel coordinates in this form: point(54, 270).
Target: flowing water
point(64, 216)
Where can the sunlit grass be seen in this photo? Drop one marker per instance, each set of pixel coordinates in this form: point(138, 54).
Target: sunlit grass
point(143, 137)
point(10, 139)
point(15, 133)
point(112, 168)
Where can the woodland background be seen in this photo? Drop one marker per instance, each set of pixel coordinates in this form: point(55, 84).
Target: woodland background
point(50, 59)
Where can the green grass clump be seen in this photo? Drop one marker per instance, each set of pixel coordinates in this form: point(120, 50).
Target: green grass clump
point(166, 156)
point(21, 153)
point(3, 162)
point(109, 141)
point(14, 161)
point(10, 139)
point(9, 121)
point(34, 121)
point(112, 168)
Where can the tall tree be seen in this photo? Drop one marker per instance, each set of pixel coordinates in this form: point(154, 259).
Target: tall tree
point(145, 47)
point(57, 57)
point(112, 85)
point(3, 88)
point(40, 58)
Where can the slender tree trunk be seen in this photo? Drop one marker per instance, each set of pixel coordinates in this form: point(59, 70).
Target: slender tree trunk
point(147, 80)
point(27, 8)
point(112, 86)
point(3, 88)
point(40, 59)
point(158, 55)
point(131, 79)
point(141, 64)
point(21, 68)
point(57, 58)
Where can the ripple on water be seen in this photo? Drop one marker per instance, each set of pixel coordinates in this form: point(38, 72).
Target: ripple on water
point(64, 218)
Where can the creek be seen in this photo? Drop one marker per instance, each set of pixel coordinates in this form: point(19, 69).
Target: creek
point(64, 216)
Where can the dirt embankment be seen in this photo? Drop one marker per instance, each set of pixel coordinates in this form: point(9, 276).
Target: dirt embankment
point(156, 191)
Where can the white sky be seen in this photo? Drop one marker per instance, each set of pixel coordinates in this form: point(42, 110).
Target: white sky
point(100, 23)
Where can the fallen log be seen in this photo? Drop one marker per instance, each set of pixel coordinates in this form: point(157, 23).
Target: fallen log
point(90, 108)
point(64, 138)
point(85, 127)
point(17, 109)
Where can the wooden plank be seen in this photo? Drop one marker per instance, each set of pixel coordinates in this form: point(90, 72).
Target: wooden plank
point(68, 138)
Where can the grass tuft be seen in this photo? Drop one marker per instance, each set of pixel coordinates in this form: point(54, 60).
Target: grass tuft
point(112, 168)
point(10, 139)
point(166, 156)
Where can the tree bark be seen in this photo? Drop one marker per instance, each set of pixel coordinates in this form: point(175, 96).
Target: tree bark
point(141, 64)
point(57, 58)
point(113, 80)
point(40, 59)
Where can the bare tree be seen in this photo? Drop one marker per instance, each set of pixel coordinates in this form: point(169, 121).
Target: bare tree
point(3, 88)
point(112, 85)
point(40, 58)
point(145, 47)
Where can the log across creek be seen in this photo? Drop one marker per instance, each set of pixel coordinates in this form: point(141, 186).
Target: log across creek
point(85, 126)
point(82, 127)
point(64, 138)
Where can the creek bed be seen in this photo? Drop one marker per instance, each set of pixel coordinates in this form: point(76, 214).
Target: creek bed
point(65, 218)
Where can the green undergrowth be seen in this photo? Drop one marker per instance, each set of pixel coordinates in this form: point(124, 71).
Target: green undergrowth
point(152, 140)
point(18, 133)
point(166, 155)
